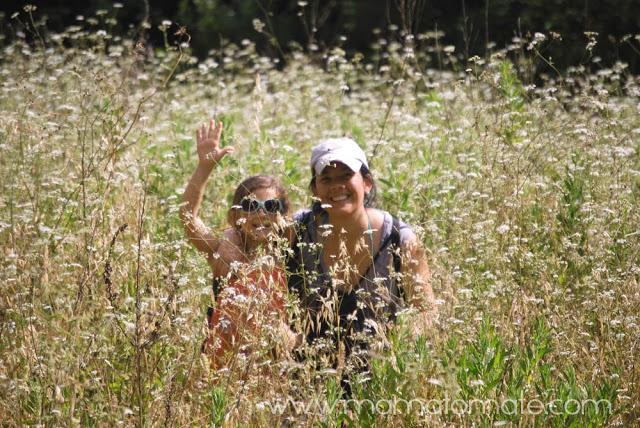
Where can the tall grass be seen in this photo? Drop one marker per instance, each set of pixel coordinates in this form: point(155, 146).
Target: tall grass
point(525, 197)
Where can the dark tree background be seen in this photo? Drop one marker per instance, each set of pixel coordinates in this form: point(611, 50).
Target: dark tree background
point(467, 24)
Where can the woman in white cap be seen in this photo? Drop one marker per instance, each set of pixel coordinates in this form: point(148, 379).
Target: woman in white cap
point(354, 266)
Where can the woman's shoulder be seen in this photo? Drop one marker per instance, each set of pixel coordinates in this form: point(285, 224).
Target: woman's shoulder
point(392, 224)
point(301, 229)
point(301, 215)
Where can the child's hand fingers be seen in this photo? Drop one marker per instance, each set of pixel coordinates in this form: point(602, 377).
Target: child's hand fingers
point(221, 153)
point(226, 150)
point(203, 133)
point(218, 131)
point(212, 124)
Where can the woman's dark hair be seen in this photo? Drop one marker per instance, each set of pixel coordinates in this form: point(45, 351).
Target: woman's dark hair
point(250, 185)
point(369, 198)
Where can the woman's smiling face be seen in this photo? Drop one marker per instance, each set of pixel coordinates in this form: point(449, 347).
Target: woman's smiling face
point(341, 188)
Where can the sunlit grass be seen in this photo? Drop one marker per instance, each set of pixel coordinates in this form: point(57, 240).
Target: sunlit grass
point(525, 197)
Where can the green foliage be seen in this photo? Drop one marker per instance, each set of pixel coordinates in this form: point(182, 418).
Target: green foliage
point(573, 195)
point(481, 364)
point(511, 87)
point(218, 406)
point(573, 226)
point(338, 416)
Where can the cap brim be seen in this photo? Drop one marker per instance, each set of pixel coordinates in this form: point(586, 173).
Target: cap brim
point(326, 160)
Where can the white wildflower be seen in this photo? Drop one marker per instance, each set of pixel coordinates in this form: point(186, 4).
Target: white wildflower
point(258, 25)
point(503, 228)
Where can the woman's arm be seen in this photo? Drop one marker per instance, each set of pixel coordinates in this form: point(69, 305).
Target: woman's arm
point(417, 285)
point(209, 155)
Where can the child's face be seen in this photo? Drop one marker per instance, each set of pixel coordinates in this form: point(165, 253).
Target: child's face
point(257, 225)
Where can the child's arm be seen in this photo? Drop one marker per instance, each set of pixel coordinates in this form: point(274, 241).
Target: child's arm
point(209, 154)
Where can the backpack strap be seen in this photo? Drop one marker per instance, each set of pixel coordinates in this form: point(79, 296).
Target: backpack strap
point(301, 227)
point(395, 241)
point(207, 341)
point(295, 280)
point(216, 284)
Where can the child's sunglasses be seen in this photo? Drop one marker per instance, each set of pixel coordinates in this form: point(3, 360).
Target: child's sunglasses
point(269, 206)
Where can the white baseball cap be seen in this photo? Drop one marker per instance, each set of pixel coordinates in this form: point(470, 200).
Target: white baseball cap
point(343, 150)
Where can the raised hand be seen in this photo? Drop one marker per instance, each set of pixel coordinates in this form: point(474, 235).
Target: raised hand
point(208, 144)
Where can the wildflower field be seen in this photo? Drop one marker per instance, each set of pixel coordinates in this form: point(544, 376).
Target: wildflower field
point(524, 192)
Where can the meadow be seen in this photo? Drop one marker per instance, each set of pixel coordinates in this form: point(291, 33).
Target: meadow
point(524, 191)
